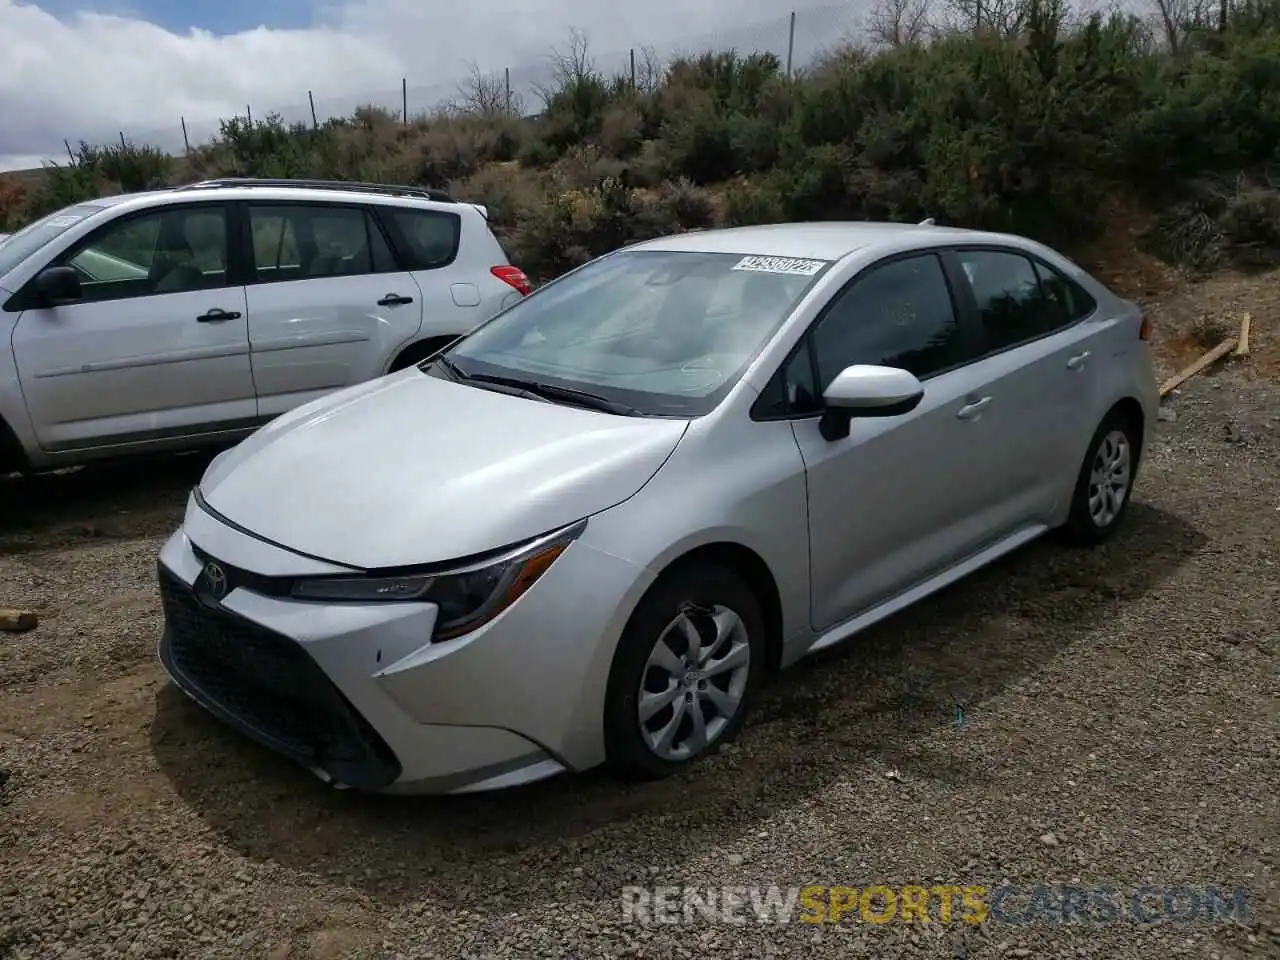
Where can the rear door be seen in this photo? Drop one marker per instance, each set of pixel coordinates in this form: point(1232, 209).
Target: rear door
point(1040, 368)
point(457, 292)
point(328, 304)
point(157, 346)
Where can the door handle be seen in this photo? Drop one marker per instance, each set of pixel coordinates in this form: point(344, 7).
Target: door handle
point(218, 315)
point(970, 411)
point(394, 300)
point(1076, 362)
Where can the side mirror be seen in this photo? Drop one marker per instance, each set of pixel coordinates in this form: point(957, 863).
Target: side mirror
point(867, 391)
point(54, 285)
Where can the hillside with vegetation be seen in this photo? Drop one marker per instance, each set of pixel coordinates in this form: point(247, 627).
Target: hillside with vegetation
point(1040, 124)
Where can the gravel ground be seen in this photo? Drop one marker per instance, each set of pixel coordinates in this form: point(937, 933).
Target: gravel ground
point(1103, 718)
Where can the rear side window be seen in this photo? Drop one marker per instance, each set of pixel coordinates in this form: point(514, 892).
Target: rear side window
point(314, 241)
point(1019, 299)
point(428, 239)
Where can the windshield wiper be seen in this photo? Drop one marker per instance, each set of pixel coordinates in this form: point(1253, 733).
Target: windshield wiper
point(542, 391)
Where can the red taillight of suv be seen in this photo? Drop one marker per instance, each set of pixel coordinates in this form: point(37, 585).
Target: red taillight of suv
point(513, 276)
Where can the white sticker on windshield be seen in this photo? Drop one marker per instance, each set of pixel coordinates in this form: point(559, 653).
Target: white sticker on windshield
point(64, 221)
point(789, 265)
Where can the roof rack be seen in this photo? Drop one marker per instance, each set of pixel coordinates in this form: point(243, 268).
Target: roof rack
point(389, 189)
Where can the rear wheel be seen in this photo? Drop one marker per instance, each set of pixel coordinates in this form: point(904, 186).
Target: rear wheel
point(11, 456)
point(1103, 488)
point(689, 663)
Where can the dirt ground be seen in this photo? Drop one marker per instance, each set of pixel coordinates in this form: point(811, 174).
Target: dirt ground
point(1104, 718)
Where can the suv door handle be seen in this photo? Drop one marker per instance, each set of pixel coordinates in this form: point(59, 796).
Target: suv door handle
point(970, 411)
point(394, 300)
point(218, 315)
point(1076, 362)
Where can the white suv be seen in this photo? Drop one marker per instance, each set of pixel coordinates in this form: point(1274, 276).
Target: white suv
point(193, 315)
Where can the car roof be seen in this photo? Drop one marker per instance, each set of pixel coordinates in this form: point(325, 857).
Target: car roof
point(829, 240)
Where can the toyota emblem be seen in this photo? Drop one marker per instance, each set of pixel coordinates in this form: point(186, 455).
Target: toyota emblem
point(216, 578)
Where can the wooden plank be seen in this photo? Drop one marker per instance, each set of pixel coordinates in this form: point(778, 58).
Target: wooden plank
point(17, 621)
point(1214, 355)
point(1242, 347)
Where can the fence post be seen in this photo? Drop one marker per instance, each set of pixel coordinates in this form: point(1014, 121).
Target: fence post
point(404, 100)
point(185, 142)
point(315, 124)
point(791, 43)
point(633, 69)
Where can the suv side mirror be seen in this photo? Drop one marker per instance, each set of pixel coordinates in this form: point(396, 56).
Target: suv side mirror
point(54, 285)
point(863, 390)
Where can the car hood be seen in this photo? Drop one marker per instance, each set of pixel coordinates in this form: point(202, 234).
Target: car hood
point(411, 469)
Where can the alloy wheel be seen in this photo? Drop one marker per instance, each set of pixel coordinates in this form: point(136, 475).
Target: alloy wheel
point(694, 681)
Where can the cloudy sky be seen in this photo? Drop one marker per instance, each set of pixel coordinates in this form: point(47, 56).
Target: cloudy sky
point(85, 69)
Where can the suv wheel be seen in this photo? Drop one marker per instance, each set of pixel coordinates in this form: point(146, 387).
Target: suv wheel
point(686, 671)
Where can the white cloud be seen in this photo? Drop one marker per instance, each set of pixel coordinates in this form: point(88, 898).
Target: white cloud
point(93, 75)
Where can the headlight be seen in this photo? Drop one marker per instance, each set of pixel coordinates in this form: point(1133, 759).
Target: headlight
point(468, 597)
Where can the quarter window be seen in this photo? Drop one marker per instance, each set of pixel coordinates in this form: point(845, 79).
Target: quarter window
point(429, 237)
point(168, 251)
point(312, 241)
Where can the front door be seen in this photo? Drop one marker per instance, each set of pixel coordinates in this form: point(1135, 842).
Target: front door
point(157, 346)
point(895, 500)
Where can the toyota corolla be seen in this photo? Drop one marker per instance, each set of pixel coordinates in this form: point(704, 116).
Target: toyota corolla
point(585, 533)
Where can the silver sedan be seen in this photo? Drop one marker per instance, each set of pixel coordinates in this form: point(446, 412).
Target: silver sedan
point(587, 532)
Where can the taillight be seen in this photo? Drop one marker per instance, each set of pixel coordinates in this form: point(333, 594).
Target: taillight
point(1146, 330)
point(513, 276)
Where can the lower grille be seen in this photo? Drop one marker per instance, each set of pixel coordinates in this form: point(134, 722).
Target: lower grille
point(270, 688)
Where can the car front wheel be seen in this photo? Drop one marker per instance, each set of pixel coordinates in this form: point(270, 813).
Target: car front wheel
point(685, 673)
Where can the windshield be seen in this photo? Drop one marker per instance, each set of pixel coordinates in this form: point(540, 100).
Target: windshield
point(35, 235)
point(666, 333)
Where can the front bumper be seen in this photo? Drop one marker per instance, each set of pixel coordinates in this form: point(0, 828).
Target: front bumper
point(358, 694)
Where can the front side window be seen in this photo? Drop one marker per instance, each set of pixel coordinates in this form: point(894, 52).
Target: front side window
point(667, 333)
point(311, 241)
point(897, 314)
point(168, 250)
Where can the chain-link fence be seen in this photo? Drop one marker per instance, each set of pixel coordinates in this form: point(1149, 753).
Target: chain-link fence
point(796, 38)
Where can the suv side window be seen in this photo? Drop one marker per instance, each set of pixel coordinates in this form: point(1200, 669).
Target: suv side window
point(428, 238)
point(169, 250)
point(896, 314)
point(1019, 300)
point(311, 241)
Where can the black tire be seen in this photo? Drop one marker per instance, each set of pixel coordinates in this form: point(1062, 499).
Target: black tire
point(695, 589)
point(12, 459)
point(1082, 528)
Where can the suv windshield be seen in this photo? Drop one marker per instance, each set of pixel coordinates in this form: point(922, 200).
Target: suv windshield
point(35, 235)
point(665, 333)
